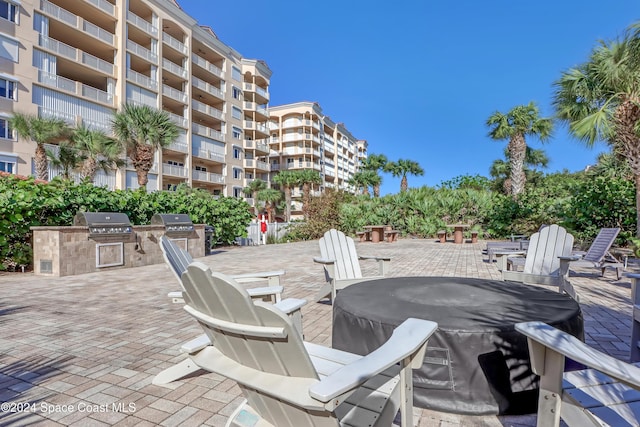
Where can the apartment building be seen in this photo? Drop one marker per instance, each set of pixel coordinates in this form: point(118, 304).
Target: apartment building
point(79, 60)
point(302, 137)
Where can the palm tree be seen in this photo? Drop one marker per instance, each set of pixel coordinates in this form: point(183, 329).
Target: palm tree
point(141, 130)
point(308, 178)
point(375, 163)
point(611, 166)
point(271, 197)
point(520, 122)
point(66, 157)
point(99, 151)
point(252, 190)
point(287, 180)
point(402, 168)
point(41, 130)
point(600, 100)
point(500, 169)
point(359, 181)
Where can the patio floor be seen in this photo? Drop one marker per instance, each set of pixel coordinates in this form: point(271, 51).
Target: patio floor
point(83, 350)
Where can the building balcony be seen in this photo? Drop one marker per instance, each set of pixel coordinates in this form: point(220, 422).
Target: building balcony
point(142, 52)
point(206, 109)
point(174, 68)
point(104, 6)
point(74, 87)
point(257, 108)
point(251, 125)
point(76, 55)
point(173, 170)
point(180, 145)
point(257, 164)
point(214, 156)
point(77, 22)
point(203, 63)
point(142, 24)
point(207, 87)
point(175, 43)
point(174, 94)
point(214, 178)
point(208, 132)
point(258, 146)
point(261, 92)
point(181, 121)
point(329, 148)
point(142, 80)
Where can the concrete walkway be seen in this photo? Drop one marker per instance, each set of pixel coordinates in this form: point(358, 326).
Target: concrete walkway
point(83, 350)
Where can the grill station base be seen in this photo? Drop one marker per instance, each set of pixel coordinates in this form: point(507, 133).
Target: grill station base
point(67, 251)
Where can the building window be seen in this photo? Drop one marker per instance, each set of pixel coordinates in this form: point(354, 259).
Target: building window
point(201, 168)
point(8, 11)
point(236, 74)
point(8, 48)
point(171, 187)
point(237, 153)
point(8, 89)
point(236, 92)
point(236, 132)
point(236, 113)
point(237, 192)
point(5, 130)
point(7, 167)
point(174, 163)
point(237, 173)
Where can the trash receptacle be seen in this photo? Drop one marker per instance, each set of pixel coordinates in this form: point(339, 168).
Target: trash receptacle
point(208, 239)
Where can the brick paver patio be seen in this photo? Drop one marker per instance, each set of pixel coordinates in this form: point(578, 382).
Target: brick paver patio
point(83, 350)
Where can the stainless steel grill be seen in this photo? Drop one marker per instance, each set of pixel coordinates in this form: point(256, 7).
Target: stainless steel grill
point(111, 226)
point(175, 225)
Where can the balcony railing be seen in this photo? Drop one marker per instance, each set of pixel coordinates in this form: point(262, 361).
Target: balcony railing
point(257, 145)
point(182, 147)
point(257, 89)
point(69, 119)
point(179, 120)
point(201, 84)
point(256, 164)
point(208, 177)
point(174, 94)
point(250, 124)
point(142, 24)
point(74, 87)
point(97, 32)
point(104, 5)
point(206, 109)
point(174, 170)
point(63, 15)
point(216, 156)
point(174, 68)
point(203, 63)
point(142, 80)
point(142, 52)
point(174, 43)
point(208, 132)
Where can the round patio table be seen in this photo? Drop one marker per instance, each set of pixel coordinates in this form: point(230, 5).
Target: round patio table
point(476, 362)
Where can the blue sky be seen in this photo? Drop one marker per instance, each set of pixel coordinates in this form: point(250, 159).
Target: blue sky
point(418, 79)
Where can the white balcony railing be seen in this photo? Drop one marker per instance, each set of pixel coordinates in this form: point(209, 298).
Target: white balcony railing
point(104, 5)
point(179, 120)
point(96, 94)
point(174, 170)
point(208, 177)
point(256, 164)
point(216, 156)
point(201, 84)
point(142, 52)
point(142, 80)
point(74, 87)
point(59, 13)
point(142, 24)
point(97, 63)
point(208, 132)
point(182, 147)
point(97, 32)
point(174, 94)
point(203, 63)
point(174, 68)
point(174, 43)
point(206, 109)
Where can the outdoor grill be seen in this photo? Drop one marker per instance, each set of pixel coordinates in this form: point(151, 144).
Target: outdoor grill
point(105, 226)
point(175, 225)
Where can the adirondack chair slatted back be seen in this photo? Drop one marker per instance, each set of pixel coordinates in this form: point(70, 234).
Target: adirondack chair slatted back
point(221, 298)
point(544, 249)
point(601, 245)
point(335, 245)
point(176, 257)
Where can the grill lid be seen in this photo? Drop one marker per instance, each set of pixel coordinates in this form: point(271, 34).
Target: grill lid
point(104, 223)
point(175, 225)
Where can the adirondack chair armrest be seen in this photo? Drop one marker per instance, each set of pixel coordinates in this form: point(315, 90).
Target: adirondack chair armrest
point(290, 305)
point(407, 341)
point(196, 344)
point(542, 337)
point(513, 253)
point(325, 261)
point(273, 277)
point(176, 297)
point(383, 263)
point(570, 258)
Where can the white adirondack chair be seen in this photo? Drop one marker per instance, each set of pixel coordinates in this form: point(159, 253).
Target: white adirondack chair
point(289, 383)
point(542, 265)
point(179, 259)
point(606, 395)
point(598, 255)
point(341, 263)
